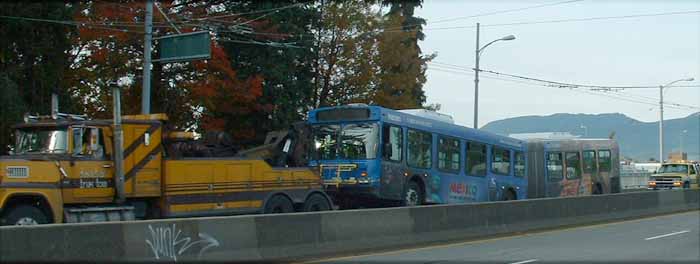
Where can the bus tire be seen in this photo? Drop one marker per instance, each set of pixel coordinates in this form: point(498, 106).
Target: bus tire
point(509, 196)
point(315, 203)
point(597, 189)
point(413, 195)
point(279, 204)
point(24, 215)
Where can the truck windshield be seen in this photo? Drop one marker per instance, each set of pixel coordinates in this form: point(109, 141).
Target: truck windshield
point(43, 141)
point(352, 141)
point(674, 168)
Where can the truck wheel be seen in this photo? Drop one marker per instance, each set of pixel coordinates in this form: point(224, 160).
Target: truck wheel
point(412, 195)
point(24, 215)
point(279, 204)
point(316, 202)
point(686, 185)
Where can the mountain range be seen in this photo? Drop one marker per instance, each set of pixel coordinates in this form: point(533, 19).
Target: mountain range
point(639, 141)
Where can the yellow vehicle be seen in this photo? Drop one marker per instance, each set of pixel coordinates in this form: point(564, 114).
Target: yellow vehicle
point(675, 174)
point(62, 170)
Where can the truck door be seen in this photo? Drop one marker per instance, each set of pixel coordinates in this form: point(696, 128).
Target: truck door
point(90, 172)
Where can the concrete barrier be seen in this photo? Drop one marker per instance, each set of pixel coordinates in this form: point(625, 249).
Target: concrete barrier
point(310, 235)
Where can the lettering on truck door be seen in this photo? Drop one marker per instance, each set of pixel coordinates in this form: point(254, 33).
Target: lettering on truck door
point(90, 174)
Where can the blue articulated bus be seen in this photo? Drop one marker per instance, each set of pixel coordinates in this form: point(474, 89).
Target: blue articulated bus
point(370, 155)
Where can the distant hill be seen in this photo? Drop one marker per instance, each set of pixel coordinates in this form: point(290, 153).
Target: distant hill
point(638, 140)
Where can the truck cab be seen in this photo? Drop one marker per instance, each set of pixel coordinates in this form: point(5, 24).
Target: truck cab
point(675, 175)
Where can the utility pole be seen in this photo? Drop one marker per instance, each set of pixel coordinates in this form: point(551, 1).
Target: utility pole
point(118, 144)
point(476, 81)
point(146, 92)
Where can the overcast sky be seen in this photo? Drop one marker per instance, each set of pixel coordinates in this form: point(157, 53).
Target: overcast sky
point(640, 51)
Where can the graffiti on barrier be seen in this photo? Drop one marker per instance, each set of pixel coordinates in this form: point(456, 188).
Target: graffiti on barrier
point(169, 242)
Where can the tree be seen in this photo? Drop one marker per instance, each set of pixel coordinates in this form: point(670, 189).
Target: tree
point(403, 66)
point(33, 60)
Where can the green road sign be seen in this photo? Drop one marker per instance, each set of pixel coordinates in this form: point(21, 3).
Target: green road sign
point(185, 47)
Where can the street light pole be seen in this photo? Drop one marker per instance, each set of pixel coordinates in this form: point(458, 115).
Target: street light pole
point(661, 116)
point(476, 72)
point(682, 135)
point(476, 81)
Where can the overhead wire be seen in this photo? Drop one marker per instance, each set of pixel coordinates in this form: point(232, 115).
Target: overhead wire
point(451, 68)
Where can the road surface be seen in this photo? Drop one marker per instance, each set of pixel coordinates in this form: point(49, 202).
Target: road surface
point(670, 238)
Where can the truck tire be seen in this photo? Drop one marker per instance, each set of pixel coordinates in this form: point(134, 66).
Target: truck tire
point(316, 202)
point(24, 215)
point(686, 185)
point(279, 204)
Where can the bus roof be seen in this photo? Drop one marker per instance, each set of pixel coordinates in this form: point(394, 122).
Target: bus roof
point(421, 122)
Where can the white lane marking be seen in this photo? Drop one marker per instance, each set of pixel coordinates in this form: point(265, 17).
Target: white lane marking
point(525, 261)
point(671, 234)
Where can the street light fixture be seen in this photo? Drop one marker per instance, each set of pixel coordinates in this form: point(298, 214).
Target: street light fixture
point(661, 115)
point(476, 70)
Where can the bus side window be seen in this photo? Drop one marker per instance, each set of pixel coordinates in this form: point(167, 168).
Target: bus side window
point(500, 161)
point(392, 140)
point(519, 167)
point(589, 164)
point(476, 159)
point(573, 165)
point(420, 149)
point(604, 162)
point(448, 154)
point(554, 166)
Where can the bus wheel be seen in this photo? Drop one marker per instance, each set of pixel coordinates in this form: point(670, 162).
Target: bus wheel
point(510, 195)
point(24, 215)
point(316, 202)
point(412, 195)
point(597, 189)
point(279, 204)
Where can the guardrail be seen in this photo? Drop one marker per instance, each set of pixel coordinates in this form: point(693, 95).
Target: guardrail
point(302, 236)
point(634, 180)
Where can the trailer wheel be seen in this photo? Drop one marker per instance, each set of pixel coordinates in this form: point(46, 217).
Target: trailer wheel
point(316, 202)
point(279, 204)
point(24, 215)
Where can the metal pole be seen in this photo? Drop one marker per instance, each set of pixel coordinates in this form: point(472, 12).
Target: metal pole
point(661, 124)
point(476, 81)
point(118, 145)
point(146, 93)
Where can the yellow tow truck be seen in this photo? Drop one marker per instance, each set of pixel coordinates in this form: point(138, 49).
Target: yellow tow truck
point(62, 170)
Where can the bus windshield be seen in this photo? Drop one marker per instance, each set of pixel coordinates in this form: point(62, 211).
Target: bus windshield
point(673, 168)
point(42, 141)
point(351, 141)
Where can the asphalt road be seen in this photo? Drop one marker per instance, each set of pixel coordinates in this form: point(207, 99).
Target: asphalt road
point(670, 238)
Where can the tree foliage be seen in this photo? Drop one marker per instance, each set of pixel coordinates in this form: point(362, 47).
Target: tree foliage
point(271, 61)
point(33, 61)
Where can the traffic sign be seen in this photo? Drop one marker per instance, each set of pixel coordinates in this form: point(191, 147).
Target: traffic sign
point(185, 47)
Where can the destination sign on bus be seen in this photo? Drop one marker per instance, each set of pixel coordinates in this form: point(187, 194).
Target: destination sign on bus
point(343, 114)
